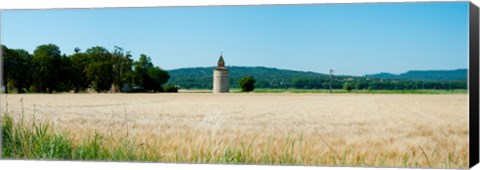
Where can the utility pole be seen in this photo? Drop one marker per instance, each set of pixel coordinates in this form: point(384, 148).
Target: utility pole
point(331, 72)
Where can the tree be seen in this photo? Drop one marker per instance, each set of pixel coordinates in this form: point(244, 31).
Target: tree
point(79, 63)
point(141, 67)
point(247, 84)
point(348, 87)
point(22, 70)
point(158, 77)
point(8, 62)
point(170, 89)
point(148, 76)
point(46, 60)
point(65, 73)
point(77, 50)
point(104, 70)
point(97, 50)
point(17, 69)
point(122, 67)
point(99, 70)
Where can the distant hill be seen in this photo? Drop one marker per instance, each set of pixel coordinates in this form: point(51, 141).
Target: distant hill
point(433, 75)
point(201, 78)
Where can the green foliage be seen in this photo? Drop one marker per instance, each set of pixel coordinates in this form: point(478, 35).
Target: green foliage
point(148, 76)
point(347, 87)
point(7, 65)
point(37, 141)
point(158, 77)
point(40, 142)
point(201, 78)
point(96, 68)
point(99, 70)
point(46, 61)
point(122, 67)
point(79, 78)
point(97, 50)
point(104, 69)
point(17, 69)
point(310, 82)
point(170, 89)
point(64, 69)
point(247, 84)
point(434, 75)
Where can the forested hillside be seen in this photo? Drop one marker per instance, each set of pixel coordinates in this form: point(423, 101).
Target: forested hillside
point(435, 75)
point(201, 78)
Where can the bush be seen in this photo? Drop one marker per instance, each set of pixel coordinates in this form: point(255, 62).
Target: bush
point(170, 89)
point(247, 84)
point(347, 87)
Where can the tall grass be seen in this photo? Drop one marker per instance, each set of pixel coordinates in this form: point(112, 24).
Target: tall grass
point(38, 140)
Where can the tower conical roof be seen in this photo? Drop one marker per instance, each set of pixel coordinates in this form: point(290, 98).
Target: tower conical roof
point(221, 62)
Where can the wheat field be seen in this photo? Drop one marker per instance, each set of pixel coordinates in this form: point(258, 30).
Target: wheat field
point(393, 130)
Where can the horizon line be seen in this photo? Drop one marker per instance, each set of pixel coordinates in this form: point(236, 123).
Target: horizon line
point(315, 71)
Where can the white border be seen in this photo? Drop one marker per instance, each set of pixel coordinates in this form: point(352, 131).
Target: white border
point(55, 4)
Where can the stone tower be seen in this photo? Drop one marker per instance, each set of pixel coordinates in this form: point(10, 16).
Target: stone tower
point(221, 82)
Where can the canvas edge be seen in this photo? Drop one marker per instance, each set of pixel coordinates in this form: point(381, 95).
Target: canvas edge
point(473, 85)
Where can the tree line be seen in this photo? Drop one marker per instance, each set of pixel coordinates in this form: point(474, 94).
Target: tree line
point(362, 83)
point(201, 78)
point(47, 70)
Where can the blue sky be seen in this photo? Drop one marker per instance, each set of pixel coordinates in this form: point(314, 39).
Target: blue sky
point(352, 39)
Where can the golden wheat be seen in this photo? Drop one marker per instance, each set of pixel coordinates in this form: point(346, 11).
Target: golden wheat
point(396, 130)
